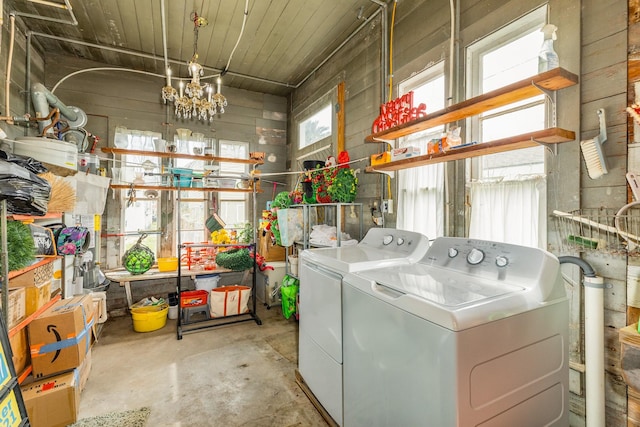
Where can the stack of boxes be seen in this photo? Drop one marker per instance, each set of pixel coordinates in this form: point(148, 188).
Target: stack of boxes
point(59, 344)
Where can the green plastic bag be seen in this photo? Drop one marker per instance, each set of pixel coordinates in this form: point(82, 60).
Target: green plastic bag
point(289, 292)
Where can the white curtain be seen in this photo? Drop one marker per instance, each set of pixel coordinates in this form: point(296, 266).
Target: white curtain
point(421, 200)
point(510, 211)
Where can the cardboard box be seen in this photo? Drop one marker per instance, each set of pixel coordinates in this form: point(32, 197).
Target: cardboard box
point(381, 158)
point(59, 338)
point(20, 350)
point(35, 276)
point(268, 250)
point(83, 371)
point(404, 153)
point(17, 303)
point(37, 296)
point(52, 402)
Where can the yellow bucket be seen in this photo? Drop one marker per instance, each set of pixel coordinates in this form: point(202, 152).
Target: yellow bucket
point(149, 318)
point(168, 264)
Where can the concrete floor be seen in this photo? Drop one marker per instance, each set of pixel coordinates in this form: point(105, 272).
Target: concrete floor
point(237, 375)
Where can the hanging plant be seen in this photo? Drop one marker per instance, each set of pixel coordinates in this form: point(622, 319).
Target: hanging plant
point(344, 187)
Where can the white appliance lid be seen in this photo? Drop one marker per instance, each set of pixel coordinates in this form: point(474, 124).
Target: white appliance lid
point(445, 288)
point(381, 247)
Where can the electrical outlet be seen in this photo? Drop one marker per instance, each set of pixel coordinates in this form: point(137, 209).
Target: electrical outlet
point(387, 206)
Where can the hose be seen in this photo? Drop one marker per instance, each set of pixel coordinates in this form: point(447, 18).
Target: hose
point(587, 270)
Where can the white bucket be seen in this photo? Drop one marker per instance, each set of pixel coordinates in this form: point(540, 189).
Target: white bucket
point(173, 312)
point(293, 264)
point(207, 282)
point(50, 152)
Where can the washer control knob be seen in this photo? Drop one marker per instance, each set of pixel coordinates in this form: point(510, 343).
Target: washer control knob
point(387, 239)
point(502, 261)
point(400, 241)
point(453, 252)
point(475, 256)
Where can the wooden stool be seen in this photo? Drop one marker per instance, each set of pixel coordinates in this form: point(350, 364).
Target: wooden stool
point(188, 312)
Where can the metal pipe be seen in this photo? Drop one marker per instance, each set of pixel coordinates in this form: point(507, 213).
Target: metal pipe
point(7, 84)
point(593, 341)
point(164, 37)
point(156, 58)
point(67, 6)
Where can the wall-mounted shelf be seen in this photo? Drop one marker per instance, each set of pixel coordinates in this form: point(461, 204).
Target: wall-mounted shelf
point(552, 80)
point(162, 154)
point(545, 136)
point(164, 187)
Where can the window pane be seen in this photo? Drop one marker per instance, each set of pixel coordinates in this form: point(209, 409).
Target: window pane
point(316, 127)
point(512, 62)
point(141, 216)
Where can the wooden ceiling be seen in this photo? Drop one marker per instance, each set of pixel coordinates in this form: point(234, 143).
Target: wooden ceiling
point(283, 41)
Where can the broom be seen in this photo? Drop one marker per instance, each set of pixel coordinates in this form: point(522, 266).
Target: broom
point(63, 195)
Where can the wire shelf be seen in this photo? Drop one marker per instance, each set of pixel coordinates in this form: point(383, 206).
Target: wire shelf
point(603, 230)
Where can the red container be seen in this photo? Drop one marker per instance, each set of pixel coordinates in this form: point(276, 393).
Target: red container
point(193, 298)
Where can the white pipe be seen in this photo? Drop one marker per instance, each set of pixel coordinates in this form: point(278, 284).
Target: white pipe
point(7, 82)
point(164, 37)
point(594, 350)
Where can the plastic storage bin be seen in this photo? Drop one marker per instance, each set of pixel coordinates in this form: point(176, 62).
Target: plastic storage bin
point(149, 318)
point(193, 298)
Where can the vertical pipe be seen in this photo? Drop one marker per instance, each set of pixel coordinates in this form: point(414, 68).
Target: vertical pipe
point(5, 263)
point(7, 83)
point(594, 350)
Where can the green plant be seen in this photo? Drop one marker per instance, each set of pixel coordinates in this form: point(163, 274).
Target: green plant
point(344, 187)
point(22, 249)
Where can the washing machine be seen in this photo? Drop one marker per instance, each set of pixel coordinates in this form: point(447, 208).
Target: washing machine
point(320, 328)
point(475, 333)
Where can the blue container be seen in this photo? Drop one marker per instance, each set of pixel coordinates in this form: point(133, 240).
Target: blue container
point(185, 177)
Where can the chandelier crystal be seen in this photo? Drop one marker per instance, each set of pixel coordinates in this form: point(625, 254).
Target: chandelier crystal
point(195, 99)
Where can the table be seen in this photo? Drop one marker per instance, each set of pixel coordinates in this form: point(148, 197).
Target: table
point(124, 278)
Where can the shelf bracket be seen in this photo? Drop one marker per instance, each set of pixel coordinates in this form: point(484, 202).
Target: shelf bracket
point(391, 174)
point(552, 95)
point(553, 148)
point(388, 141)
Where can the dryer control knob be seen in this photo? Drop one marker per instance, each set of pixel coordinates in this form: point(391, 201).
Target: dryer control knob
point(453, 252)
point(475, 256)
point(400, 241)
point(502, 261)
point(387, 239)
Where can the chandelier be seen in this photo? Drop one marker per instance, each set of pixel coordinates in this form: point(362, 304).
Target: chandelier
point(195, 99)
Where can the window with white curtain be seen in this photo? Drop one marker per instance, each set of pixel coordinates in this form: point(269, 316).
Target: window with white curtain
point(421, 189)
point(508, 190)
point(193, 204)
point(232, 206)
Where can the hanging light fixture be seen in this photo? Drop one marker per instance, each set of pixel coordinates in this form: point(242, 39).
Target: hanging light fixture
point(195, 99)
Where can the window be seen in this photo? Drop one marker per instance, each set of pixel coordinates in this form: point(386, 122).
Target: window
point(421, 189)
point(141, 215)
point(232, 206)
point(315, 128)
point(193, 204)
point(508, 192)
point(507, 56)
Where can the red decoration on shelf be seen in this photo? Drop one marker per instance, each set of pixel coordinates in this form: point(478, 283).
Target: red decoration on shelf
point(397, 112)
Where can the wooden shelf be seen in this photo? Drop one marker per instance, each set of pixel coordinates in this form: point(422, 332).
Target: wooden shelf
point(205, 158)
point(551, 80)
point(545, 136)
point(31, 218)
point(164, 188)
